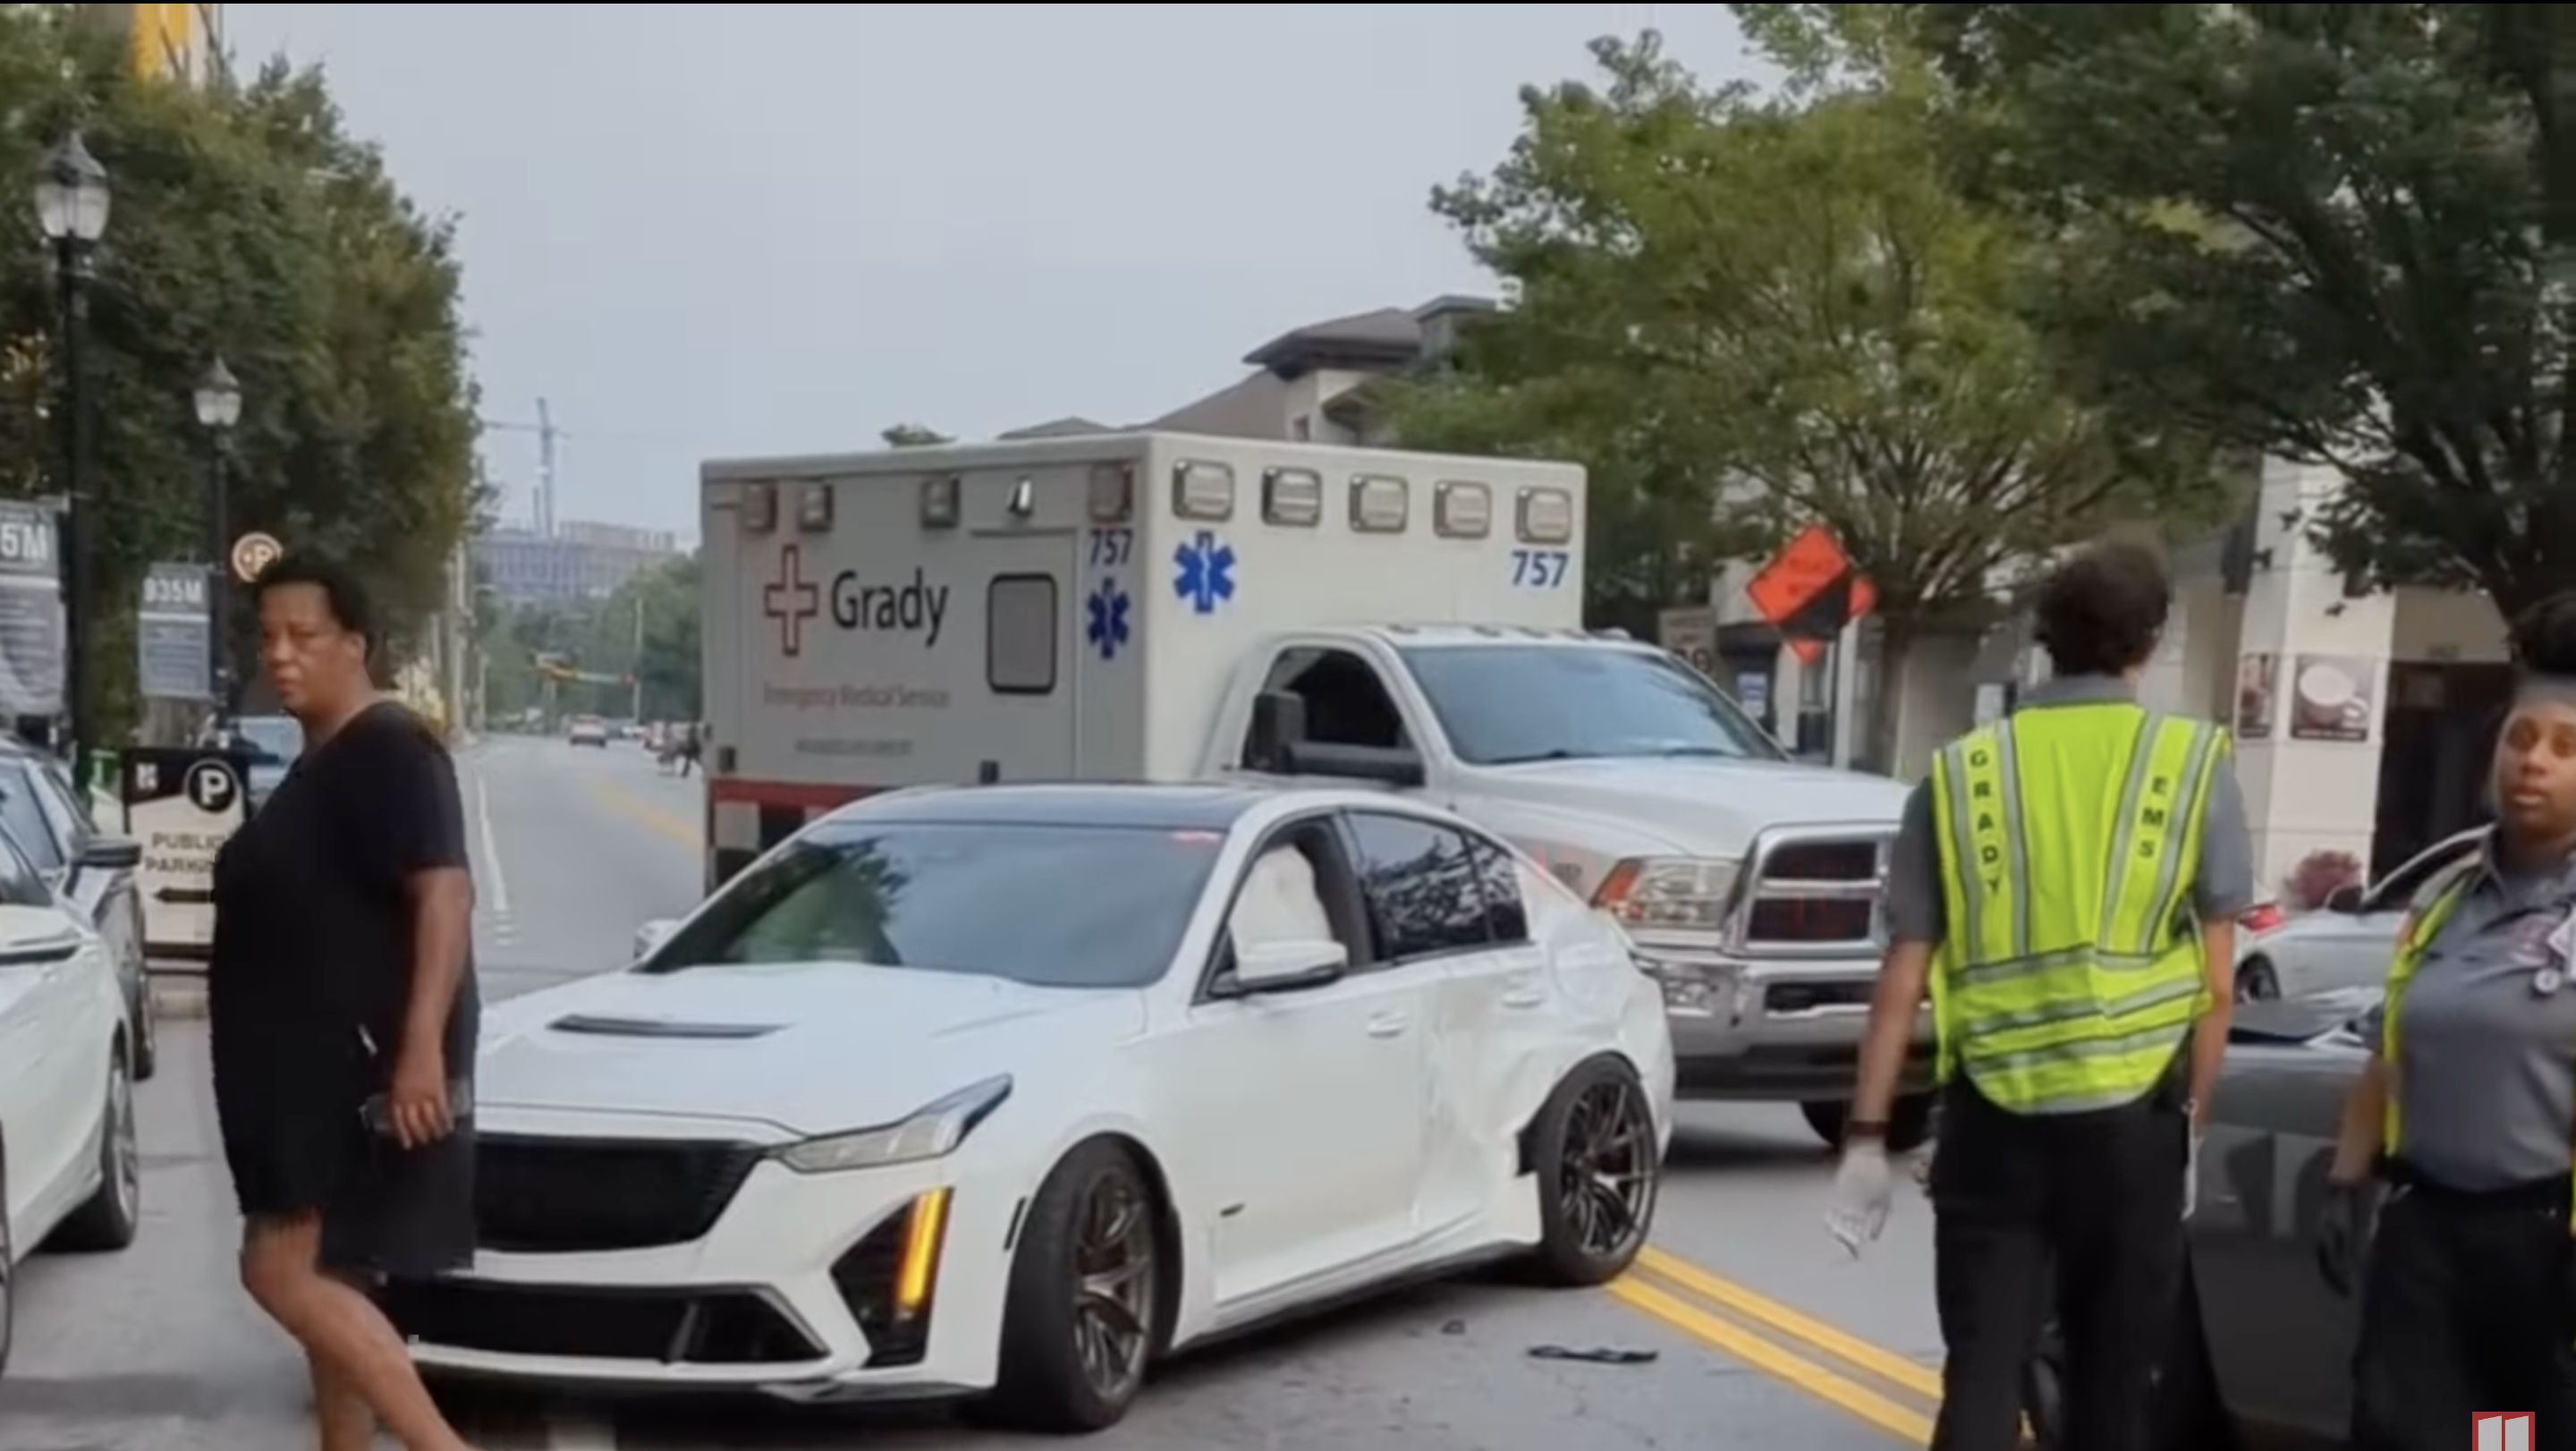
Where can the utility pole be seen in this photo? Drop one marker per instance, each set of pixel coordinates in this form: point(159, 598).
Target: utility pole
point(635, 673)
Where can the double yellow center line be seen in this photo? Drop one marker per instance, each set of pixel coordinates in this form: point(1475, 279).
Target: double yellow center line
point(1724, 1315)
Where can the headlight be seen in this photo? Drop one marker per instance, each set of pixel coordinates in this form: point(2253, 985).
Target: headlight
point(932, 1133)
point(1689, 893)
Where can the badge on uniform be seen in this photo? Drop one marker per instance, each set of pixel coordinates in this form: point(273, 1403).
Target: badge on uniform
point(2560, 947)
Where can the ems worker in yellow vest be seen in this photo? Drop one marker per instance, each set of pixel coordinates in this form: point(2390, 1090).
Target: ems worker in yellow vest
point(2065, 888)
point(2468, 1108)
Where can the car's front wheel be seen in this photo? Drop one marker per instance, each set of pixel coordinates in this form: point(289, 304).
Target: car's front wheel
point(1599, 1166)
point(2256, 982)
point(111, 1216)
point(1083, 1317)
point(1909, 1121)
point(143, 1027)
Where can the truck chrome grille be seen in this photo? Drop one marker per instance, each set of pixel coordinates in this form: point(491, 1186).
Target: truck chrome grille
point(1815, 891)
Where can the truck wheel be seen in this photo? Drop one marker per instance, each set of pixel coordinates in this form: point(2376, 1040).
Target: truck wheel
point(1909, 1123)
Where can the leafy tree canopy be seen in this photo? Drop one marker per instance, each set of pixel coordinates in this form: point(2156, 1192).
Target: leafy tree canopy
point(248, 224)
point(2338, 233)
point(913, 435)
point(646, 630)
point(1771, 310)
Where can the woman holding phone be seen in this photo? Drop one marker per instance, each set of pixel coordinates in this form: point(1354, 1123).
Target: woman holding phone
point(343, 1016)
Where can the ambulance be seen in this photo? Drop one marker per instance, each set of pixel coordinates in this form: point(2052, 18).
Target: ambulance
point(1158, 607)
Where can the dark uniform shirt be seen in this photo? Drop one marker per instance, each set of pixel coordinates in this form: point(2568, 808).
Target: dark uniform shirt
point(1917, 909)
point(2486, 1074)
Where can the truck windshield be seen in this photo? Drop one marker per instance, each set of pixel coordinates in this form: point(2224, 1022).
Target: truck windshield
point(1051, 906)
point(1502, 705)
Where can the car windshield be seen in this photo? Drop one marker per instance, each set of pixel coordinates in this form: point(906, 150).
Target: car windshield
point(1501, 705)
point(1051, 906)
point(270, 737)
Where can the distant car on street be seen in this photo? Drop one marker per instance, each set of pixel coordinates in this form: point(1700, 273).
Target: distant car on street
point(70, 1169)
point(90, 870)
point(587, 730)
point(1144, 1066)
point(2346, 943)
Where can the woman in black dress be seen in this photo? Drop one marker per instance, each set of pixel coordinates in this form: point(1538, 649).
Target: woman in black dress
point(343, 1013)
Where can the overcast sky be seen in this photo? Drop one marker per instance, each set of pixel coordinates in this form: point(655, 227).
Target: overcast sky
point(701, 229)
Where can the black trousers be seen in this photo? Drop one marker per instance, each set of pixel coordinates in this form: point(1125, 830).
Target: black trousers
point(2090, 1203)
point(2467, 1306)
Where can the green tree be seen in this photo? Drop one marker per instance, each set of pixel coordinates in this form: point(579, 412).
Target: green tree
point(645, 631)
point(246, 224)
point(1771, 310)
point(913, 435)
point(2343, 234)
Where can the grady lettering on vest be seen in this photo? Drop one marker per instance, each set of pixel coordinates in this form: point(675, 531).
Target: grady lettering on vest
point(918, 607)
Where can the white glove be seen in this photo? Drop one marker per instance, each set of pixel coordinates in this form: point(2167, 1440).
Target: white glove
point(2191, 1176)
point(1863, 1189)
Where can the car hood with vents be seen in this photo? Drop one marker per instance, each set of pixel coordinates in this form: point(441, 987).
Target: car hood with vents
point(808, 1047)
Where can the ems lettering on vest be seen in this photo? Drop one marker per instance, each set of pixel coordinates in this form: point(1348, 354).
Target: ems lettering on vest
point(2155, 809)
point(915, 608)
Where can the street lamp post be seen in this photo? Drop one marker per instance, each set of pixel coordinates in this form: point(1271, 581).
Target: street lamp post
point(219, 400)
point(71, 207)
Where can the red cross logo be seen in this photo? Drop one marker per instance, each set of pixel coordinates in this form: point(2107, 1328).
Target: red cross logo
point(791, 600)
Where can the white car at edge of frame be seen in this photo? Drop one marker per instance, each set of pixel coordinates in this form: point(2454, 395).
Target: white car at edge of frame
point(71, 1174)
point(1001, 1093)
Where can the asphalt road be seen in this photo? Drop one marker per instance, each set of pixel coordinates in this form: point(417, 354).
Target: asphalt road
point(1763, 1332)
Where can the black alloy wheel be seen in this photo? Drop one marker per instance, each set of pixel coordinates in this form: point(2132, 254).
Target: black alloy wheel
point(2256, 982)
point(1089, 1292)
point(1606, 1177)
point(1115, 1277)
point(1597, 1161)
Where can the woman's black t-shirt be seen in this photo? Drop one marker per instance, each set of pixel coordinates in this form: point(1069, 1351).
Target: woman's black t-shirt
point(309, 979)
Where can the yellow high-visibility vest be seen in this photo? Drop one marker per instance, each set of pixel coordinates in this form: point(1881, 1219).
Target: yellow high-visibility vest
point(2071, 970)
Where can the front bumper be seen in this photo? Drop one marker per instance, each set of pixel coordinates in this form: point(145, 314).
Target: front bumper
point(1771, 1029)
point(792, 1293)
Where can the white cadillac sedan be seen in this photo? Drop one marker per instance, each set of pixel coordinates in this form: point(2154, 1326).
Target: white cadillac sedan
point(1000, 1093)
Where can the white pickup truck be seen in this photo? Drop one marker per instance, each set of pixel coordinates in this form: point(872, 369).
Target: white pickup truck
point(1160, 607)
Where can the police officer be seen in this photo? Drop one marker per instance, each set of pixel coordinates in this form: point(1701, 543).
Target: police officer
point(2468, 1108)
point(2065, 887)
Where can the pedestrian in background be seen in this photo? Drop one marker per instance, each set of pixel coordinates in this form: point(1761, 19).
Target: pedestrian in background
point(2468, 1105)
point(2065, 889)
point(343, 1013)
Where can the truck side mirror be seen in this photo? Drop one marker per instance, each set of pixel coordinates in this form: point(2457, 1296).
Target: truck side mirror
point(1278, 726)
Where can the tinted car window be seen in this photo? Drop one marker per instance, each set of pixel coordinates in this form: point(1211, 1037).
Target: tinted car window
point(20, 883)
point(70, 819)
point(1421, 885)
point(23, 817)
point(1506, 915)
point(1504, 704)
point(1053, 906)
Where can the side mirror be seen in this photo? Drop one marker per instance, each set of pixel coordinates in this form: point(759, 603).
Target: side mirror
point(1387, 765)
point(1278, 727)
point(1270, 967)
point(2345, 899)
point(653, 934)
point(112, 853)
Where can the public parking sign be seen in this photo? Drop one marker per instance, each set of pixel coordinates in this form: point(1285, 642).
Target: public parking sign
point(182, 804)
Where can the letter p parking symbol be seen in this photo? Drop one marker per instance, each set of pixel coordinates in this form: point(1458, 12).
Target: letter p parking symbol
point(2501, 1430)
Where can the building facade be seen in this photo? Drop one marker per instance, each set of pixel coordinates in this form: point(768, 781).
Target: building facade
point(176, 42)
point(580, 560)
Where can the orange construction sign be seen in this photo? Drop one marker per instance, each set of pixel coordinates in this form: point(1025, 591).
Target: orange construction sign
point(1808, 592)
